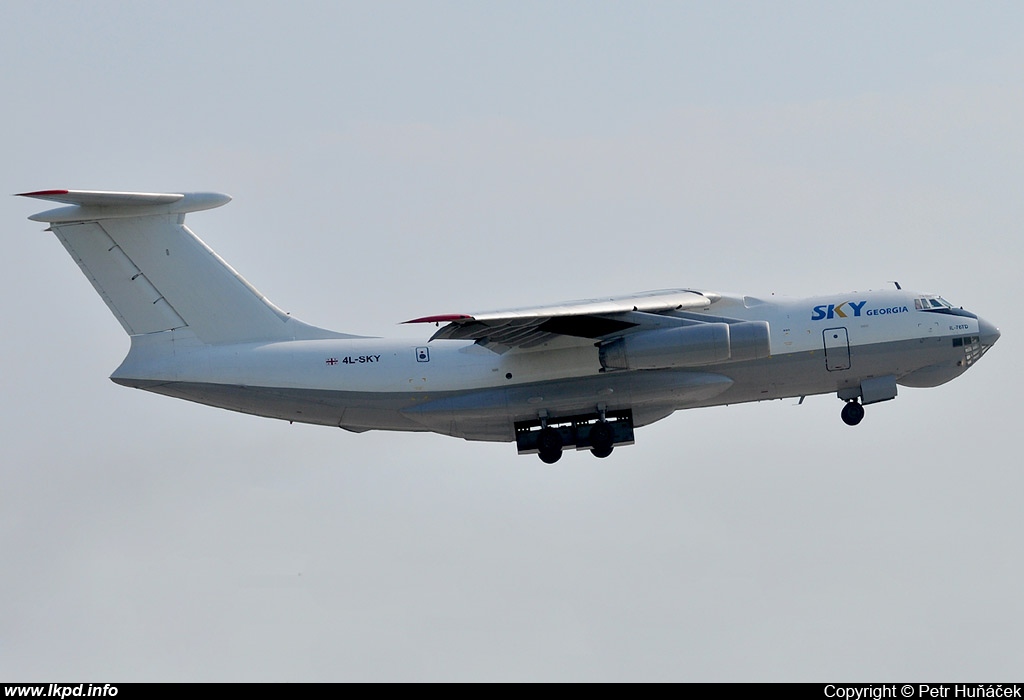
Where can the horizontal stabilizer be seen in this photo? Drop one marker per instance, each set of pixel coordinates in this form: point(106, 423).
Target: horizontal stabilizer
point(89, 205)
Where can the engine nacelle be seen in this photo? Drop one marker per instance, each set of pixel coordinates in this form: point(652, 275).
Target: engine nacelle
point(688, 346)
point(750, 340)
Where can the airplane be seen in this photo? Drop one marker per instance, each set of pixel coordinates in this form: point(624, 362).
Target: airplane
point(577, 375)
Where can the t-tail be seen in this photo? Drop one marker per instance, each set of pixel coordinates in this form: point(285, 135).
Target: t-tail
point(157, 277)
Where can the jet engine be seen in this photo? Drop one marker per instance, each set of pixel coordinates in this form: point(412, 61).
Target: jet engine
point(688, 346)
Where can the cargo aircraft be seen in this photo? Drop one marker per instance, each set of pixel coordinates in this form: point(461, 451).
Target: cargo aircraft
point(578, 375)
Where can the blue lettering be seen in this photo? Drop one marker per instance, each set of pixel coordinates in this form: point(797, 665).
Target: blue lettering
point(830, 311)
point(885, 311)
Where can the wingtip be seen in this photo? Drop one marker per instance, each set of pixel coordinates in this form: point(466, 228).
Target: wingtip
point(42, 193)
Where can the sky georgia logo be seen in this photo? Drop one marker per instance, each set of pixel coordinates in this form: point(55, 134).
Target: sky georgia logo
point(854, 309)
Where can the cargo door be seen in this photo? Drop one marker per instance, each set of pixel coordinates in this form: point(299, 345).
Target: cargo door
point(837, 349)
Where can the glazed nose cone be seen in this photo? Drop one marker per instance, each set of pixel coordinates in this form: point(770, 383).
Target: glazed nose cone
point(989, 334)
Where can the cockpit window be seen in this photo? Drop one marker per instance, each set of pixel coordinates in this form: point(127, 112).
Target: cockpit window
point(931, 303)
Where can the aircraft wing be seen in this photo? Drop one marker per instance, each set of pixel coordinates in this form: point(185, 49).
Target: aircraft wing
point(588, 318)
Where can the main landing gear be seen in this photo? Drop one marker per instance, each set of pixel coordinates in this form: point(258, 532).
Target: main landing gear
point(853, 412)
point(549, 445)
point(598, 432)
point(602, 439)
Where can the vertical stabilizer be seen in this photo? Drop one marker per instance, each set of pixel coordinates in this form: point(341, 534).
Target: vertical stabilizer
point(156, 275)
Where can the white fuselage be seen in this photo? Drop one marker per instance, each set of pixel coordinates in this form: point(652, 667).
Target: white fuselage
point(818, 345)
point(579, 374)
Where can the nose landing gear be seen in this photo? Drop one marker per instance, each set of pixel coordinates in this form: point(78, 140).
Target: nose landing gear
point(868, 391)
point(853, 413)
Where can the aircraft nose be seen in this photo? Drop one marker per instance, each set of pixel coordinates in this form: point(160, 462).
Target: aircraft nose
point(989, 333)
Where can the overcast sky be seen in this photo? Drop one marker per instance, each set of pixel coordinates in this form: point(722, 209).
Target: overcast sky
point(390, 160)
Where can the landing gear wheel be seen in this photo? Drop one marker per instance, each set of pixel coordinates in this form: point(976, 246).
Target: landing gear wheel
point(549, 446)
point(601, 439)
point(853, 413)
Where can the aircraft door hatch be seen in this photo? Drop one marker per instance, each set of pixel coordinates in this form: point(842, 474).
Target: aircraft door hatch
point(837, 349)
